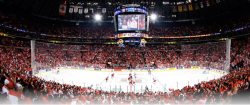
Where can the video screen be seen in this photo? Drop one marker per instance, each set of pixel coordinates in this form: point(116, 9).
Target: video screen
point(131, 22)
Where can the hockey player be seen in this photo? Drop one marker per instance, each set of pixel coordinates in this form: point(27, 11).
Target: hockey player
point(57, 71)
point(204, 72)
point(112, 75)
point(107, 79)
point(154, 80)
point(149, 72)
point(131, 82)
point(129, 78)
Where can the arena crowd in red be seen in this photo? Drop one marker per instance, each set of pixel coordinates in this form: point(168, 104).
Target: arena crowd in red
point(18, 86)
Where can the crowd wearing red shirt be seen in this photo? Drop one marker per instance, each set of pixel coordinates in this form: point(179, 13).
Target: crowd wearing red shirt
point(50, 55)
point(19, 86)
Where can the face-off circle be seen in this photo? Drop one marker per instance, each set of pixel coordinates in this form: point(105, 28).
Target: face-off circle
point(125, 80)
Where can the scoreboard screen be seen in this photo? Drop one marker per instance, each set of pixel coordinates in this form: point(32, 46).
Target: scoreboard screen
point(131, 22)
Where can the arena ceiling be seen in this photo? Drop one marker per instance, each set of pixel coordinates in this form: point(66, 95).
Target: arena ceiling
point(167, 10)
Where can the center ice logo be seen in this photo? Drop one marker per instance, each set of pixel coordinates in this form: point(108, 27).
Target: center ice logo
point(138, 81)
point(123, 79)
point(126, 80)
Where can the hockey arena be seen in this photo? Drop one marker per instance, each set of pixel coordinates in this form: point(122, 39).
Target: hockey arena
point(166, 80)
point(124, 52)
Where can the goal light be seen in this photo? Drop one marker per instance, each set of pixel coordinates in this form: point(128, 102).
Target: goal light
point(98, 17)
point(153, 16)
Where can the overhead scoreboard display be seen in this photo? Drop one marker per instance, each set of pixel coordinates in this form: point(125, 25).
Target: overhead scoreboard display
point(131, 19)
point(131, 22)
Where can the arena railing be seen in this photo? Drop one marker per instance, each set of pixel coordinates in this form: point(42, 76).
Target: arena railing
point(172, 37)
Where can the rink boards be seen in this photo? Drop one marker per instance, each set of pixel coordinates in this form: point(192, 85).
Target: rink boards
point(128, 70)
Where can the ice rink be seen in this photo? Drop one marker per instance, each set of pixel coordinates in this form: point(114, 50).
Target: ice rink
point(165, 79)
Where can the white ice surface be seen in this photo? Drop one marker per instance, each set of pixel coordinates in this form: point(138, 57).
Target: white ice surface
point(165, 79)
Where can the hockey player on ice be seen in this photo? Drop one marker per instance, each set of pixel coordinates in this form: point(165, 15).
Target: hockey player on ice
point(112, 75)
point(133, 82)
point(107, 79)
point(149, 72)
point(154, 80)
point(135, 76)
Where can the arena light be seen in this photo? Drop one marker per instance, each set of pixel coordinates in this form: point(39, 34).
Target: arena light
point(98, 17)
point(153, 16)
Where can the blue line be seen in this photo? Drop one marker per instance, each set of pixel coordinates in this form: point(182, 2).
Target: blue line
point(159, 81)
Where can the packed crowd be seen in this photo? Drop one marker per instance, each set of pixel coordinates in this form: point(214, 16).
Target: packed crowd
point(65, 33)
point(20, 87)
point(56, 55)
point(107, 56)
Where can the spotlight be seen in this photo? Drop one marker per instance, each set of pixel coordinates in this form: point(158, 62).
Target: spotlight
point(98, 17)
point(153, 16)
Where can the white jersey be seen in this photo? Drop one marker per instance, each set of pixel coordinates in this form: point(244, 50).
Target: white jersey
point(60, 92)
point(73, 103)
point(5, 89)
point(88, 90)
point(13, 97)
point(6, 81)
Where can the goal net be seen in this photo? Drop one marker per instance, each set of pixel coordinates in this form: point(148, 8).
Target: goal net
point(206, 71)
point(54, 70)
